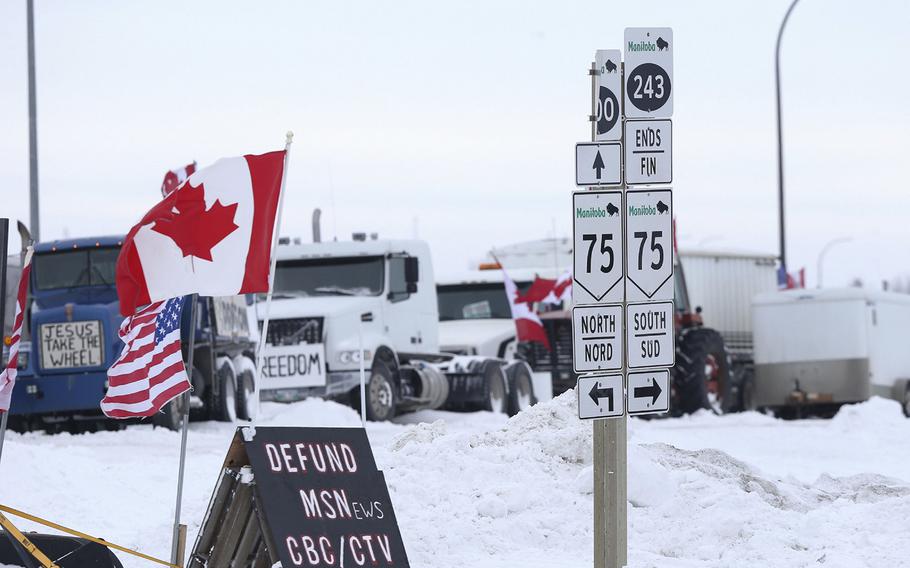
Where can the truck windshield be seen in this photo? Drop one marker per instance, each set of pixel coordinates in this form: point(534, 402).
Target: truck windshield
point(76, 268)
point(356, 276)
point(473, 301)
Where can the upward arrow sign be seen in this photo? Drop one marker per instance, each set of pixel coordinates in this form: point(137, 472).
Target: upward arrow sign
point(598, 164)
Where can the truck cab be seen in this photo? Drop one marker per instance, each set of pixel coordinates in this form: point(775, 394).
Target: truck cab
point(339, 305)
point(71, 337)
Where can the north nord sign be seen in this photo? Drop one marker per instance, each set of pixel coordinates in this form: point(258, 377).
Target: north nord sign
point(597, 250)
point(302, 497)
point(597, 338)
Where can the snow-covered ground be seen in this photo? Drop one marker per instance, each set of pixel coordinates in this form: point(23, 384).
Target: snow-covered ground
point(480, 490)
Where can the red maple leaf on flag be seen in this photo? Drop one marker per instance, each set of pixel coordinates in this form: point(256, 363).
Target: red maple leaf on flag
point(192, 227)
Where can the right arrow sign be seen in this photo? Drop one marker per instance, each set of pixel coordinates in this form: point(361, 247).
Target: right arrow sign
point(649, 392)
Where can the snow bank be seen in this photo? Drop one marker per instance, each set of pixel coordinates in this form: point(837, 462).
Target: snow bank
point(480, 490)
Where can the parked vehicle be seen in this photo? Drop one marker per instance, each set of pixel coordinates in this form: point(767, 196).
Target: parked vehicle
point(475, 318)
point(822, 348)
point(720, 285)
point(336, 303)
point(73, 321)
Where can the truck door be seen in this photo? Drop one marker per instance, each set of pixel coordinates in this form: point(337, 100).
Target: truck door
point(403, 315)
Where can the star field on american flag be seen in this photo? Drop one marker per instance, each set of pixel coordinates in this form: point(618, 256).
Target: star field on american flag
point(168, 318)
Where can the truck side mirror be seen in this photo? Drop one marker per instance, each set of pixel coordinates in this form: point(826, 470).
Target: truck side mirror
point(411, 273)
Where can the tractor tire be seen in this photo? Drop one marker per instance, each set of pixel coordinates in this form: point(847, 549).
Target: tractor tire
point(703, 373)
point(381, 392)
point(496, 394)
point(521, 388)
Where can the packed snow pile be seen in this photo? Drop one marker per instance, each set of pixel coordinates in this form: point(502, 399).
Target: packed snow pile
point(480, 490)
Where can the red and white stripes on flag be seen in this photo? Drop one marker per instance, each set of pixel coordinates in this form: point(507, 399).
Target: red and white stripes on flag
point(528, 326)
point(150, 370)
point(8, 376)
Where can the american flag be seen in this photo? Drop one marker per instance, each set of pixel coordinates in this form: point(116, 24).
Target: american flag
point(150, 370)
point(8, 376)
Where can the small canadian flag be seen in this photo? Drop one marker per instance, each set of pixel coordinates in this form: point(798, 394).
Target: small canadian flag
point(212, 235)
point(528, 326)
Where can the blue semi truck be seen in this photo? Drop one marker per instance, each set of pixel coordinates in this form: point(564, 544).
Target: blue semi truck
point(71, 339)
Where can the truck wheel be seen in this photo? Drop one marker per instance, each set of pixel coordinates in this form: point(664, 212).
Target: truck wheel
point(227, 384)
point(247, 407)
point(496, 397)
point(907, 400)
point(380, 390)
point(703, 373)
point(521, 388)
point(172, 413)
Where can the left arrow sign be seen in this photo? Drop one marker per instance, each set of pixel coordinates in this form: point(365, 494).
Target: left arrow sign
point(600, 396)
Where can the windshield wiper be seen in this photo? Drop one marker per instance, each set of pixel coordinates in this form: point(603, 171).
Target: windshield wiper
point(337, 290)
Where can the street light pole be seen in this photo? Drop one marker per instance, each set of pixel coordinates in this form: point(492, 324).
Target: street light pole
point(32, 125)
point(780, 140)
point(824, 251)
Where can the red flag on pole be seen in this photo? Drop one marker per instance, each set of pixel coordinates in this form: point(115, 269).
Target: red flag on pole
point(211, 236)
point(528, 326)
point(8, 376)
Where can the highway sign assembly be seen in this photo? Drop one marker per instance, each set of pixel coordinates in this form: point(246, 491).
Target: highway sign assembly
point(650, 335)
point(598, 164)
point(607, 99)
point(597, 229)
point(649, 245)
point(597, 338)
point(600, 396)
point(649, 392)
point(649, 73)
point(649, 151)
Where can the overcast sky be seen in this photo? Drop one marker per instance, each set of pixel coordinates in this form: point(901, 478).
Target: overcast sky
point(457, 121)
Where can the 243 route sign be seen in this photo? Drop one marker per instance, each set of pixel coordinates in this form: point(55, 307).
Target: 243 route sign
point(649, 245)
point(607, 99)
point(649, 73)
point(597, 252)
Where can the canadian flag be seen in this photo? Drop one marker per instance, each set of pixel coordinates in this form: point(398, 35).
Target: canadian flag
point(174, 178)
point(548, 291)
point(528, 326)
point(211, 236)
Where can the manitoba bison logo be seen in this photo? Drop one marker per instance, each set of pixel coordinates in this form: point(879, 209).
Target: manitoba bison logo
point(662, 44)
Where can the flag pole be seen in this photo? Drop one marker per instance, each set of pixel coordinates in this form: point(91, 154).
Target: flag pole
point(185, 408)
point(4, 247)
point(263, 335)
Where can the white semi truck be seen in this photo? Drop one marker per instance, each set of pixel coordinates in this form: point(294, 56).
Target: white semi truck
point(335, 302)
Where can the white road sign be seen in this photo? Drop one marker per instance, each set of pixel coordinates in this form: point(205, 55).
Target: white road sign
point(649, 245)
point(650, 335)
point(597, 252)
point(597, 338)
point(649, 73)
point(598, 164)
point(600, 396)
point(649, 151)
point(607, 97)
point(649, 392)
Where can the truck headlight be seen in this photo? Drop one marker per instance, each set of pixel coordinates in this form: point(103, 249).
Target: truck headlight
point(353, 356)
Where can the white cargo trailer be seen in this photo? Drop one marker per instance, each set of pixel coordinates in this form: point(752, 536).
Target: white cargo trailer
point(832, 346)
point(722, 284)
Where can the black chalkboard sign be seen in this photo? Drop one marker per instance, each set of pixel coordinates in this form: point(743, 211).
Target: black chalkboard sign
point(319, 499)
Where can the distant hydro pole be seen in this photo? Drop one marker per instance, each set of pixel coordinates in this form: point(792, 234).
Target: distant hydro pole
point(32, 127)
point(780, 139)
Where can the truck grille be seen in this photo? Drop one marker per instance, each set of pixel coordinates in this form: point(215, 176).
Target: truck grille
point(295, 330)
point(559, 357)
